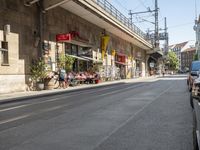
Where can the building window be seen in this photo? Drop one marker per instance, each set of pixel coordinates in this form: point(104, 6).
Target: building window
point(68, 48)
point(4, 53)
point(74, 50)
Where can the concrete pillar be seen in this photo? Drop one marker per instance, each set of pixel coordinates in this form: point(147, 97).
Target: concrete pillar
point(143, 68)
point(147, 65)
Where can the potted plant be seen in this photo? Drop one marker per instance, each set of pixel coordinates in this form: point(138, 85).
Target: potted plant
point(38, 73)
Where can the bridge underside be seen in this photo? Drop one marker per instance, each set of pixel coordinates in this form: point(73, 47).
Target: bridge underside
point(99, 17)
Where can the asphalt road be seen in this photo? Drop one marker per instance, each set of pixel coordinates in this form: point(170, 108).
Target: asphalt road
point(152, 115)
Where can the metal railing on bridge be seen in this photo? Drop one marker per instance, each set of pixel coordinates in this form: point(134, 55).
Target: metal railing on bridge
point(120, 17)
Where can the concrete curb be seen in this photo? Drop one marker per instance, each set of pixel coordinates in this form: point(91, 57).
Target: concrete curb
point(36, 94)
point(50, 93)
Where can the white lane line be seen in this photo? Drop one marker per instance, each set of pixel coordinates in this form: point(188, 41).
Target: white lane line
point(130, 118)
point(140, 98)
point(14, 119)
point(116, 91)
point(60, 98)
point(164, 92)
point(22, 106)
point(11, 108)
point(51, 100)
point(31, 114)
point(50, 109)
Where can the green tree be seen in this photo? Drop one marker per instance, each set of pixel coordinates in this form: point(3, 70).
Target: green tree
point(172, 60)
point(195, 57)
point(66, 62)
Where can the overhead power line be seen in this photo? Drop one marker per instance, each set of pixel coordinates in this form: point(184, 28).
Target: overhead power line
point(120, 4)
point(179, 25)
point(143, 4)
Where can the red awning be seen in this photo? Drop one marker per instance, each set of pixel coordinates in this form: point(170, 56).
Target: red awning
point(74, 38)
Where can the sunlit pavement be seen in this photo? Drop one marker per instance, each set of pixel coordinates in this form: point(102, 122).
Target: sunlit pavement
point(146, 115)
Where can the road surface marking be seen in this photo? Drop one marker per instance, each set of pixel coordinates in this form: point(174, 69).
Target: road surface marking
point(11, 108)
point(72, 94)
point(116, 91)
point(55, 99)
point(50, 109)
point(31, 114)
point(14, 119)
point(129, 119)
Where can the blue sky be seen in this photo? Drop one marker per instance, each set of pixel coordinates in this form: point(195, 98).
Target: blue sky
point(180, 16)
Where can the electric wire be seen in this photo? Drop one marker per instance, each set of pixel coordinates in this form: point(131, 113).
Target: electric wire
point(120, 4)
point(180, 25)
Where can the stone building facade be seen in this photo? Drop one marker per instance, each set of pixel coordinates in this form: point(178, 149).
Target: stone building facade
point(17, 28)
point(30, 34)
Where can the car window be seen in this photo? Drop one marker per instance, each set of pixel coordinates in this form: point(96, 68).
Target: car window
point(195, 66)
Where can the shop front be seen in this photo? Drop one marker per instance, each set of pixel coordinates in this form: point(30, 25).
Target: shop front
point(79, 48)
point(120, 62)
point(154, 64)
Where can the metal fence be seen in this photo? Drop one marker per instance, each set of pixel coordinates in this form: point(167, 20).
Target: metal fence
point(119, 16)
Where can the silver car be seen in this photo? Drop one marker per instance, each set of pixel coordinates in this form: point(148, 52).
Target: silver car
point(196, 112)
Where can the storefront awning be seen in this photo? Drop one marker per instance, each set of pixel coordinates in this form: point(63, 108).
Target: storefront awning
point(77, 57)
point(89, 58)
point(121, 54)
point(73, 38)
point(157, 54)
point(121, 63)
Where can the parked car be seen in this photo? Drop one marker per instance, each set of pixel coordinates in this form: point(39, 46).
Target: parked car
point(193, 74)
point(196, 113)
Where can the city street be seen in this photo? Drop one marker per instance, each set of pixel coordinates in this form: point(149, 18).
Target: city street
point(150, 115)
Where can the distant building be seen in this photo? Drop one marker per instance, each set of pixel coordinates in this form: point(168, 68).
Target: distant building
point(186, 58)
point(180, 47)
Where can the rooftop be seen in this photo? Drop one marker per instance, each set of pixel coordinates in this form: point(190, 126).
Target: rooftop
point(190, 49)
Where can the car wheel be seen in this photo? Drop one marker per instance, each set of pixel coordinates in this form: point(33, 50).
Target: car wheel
point(191, 100)
point(195, 143)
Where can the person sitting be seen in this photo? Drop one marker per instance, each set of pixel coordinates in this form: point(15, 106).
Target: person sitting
point(70, 78)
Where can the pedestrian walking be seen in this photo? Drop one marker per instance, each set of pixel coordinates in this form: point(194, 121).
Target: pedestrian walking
point(62, 78)
point(163, 72)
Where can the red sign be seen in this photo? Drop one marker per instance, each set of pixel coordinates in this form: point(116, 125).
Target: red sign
point(73, 35)
point(63, 37)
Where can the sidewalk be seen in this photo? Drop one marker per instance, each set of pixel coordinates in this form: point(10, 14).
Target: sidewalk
point(10, 97)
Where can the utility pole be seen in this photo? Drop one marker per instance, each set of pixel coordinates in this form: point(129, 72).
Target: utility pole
point(156, 32)
point(156, 36)
point(166, 37)
point(141, 12)
point(131, 16)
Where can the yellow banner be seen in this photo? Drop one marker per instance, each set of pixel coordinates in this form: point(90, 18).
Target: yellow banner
point(113, 52)
point(104, 44)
